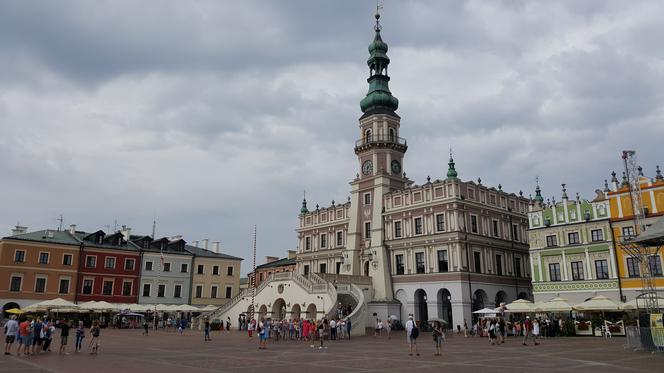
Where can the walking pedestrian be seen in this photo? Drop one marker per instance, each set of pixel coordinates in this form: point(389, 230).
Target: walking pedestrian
point(536, 331)
point(465, 328)
point(146, 327)
point(37, 339)
point(412, 332)
point(94, 341)
point(262, 335)
point(80, 335)
point(437, 333)
point(348, 327)
point(64, 335)
point(207, 329)
point(48, 329)
point(527, 330)
point(11, 329)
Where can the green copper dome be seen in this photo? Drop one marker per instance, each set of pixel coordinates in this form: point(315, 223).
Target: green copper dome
point(379, 95)
point(451, 172)
point(304, 209)
point(538, 194)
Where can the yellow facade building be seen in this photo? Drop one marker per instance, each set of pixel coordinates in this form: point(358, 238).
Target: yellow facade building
point(623, 228)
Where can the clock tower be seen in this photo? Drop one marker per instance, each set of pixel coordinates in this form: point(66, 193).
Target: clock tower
point(380, 153)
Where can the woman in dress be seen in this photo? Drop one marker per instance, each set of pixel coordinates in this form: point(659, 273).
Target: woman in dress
point(94, 342)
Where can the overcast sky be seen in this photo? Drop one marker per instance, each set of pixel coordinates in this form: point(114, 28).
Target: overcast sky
point(213, 116)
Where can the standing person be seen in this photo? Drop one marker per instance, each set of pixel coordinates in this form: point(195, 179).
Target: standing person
point(527, 330)
point(11, 329)
point(49, 329)
point(37, 339)
point(146, 327)
point(64, 336)
point(536, 331)
point(437, 332)
point(251, 327)
point(502, 330)
point(333, 330)
point(379, 327)
point(94, 341)
point(388, 328)
point(321, 333)
point(26, 330)
point(348, 327)
point(412, 332)
point(80, 334)
point(465, 328)
point(228, 325)
point(207, 329)
point(305, 330)
point(262, 335)
point(492, 331)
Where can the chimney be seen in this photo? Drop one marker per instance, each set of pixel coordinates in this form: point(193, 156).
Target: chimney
point(19, 230)
point(291, 254)
point(195, 243)
point(204, 243)
point(72, 229)
point(126, 232)
point(270, 259)
point(215, 247)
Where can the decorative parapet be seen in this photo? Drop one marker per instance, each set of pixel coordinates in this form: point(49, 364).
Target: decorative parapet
point(552, 287)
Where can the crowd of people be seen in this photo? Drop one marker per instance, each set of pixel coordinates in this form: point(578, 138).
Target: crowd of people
point(303, 330)
point(34, 335)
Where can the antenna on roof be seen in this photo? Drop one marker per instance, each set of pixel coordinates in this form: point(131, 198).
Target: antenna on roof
point(61, 220)
point(154, 227)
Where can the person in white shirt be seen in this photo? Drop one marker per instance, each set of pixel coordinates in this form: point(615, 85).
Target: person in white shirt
point(11, 329)
point(536, 330)
point(412, 336)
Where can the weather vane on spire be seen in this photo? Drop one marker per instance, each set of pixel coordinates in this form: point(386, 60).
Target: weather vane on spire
point(379, 7)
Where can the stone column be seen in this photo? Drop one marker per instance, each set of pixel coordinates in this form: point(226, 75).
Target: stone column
point(565, 278)
point(588, 266)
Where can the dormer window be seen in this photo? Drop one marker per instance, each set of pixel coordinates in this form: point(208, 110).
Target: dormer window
point(100, 239)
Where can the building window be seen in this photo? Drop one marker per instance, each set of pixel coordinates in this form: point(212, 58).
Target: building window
point(628, 233)
point(323, 241)
point(340, 238)
point(107, 288)
point(148, 266)
point(573, 238)
point(443, 261)
point(323, 268)
point(177, 291)
point(200, 269)
point(551, 241)
point(229, 292)
point(602, 269)
point(306, 271)
point(146, 290)
point(477, 258)
point(161, 290)
point(130, 264)
point(473, 223)
point(419, 262)
point(554, 272)
point(15, 283)
point(418, 225)
point(43, 258)
point(126, 288)
point(577, 271)
point(515, 232)
point(633, 268)
point(367, 198)
point(499, 265)
point(67, 259)
point(19, 256)
point(367, 230)
point(167, 267)
point(87, 286)
point(199, 291)
point(229, 271)
point(397, 229)
point(40, 285)
point(307, 243)
point(213, 292)
point(338, 264)
point(109, 263)
point(400, 265)
point(655, 265)
point(215, 270)
point(260, 275)
point(440, 223)
point(517, 267)
point(596, 235)
point(495, 228)
point(184, 268)
point(90, 261)
point(64, 286)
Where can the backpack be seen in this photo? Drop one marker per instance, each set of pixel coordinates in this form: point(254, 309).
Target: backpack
point(415, 332)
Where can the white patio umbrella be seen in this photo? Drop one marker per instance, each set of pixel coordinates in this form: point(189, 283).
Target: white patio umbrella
point(209, 308)
point(598, 303)
point(486, 311)
point(520, 306)
point(554, 305)
point(186, 308)
point(52, 304)
point(102, 306)
point(633, 304)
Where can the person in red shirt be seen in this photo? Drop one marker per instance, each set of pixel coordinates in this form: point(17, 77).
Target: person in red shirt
point(527, 330)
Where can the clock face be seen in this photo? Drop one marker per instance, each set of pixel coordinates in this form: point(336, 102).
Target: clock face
point(396, 167)
point(367, 167)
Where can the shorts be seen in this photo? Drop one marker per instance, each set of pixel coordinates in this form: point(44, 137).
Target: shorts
point(321, 333)
point(63, 340)
point(10, 339)
point(438, 341)
point(262, 337)
point(412, 340)
point(27, 340)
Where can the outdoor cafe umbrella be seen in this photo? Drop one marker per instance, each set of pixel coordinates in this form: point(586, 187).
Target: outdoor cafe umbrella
point(102, 306)
point(598, 303)
point(554, 305)
point(15, 311)
point(520, 306)
point(433, 319)
point(52, 304)
point(634, 304)
point(186, 308)
point(209, 308)
point(486, 311)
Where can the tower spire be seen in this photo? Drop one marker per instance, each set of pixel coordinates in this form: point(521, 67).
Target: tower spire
point(538, 191)
point(304, 209)
point(451, 172)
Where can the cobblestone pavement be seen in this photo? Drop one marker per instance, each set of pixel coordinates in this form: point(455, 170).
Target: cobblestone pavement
point(164, 352)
